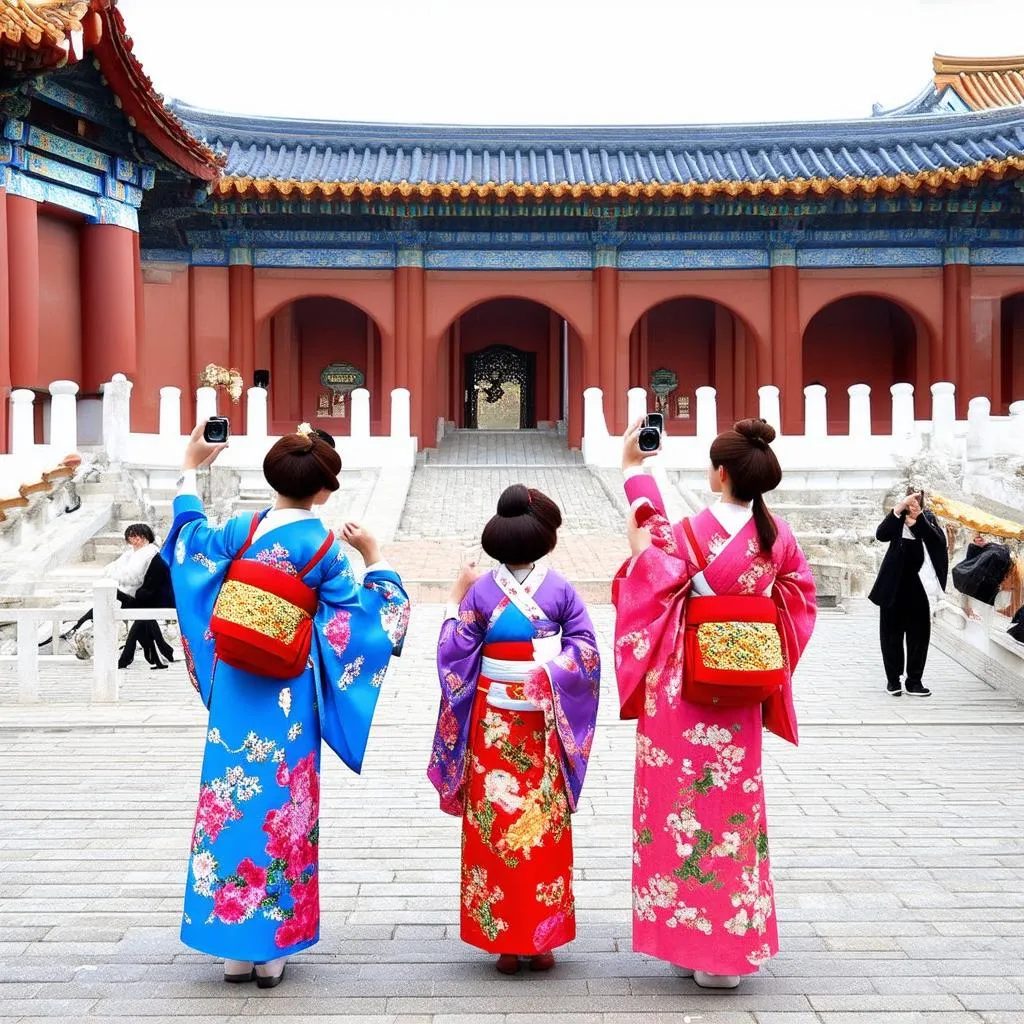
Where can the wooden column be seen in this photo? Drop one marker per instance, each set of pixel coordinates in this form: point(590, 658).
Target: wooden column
point(786, 344)
point(724, 363)
point(5, 329)
point(554, 396)
point(955, 347)
point(409, 368)
point(23, 295)
point(109, 314)
point(610, 378)
point(241, 322)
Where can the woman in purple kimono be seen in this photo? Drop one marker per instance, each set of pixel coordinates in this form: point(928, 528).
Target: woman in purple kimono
point(520, 673)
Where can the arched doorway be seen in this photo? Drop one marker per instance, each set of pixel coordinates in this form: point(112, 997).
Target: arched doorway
point(862, 339)
point(505, 364)
point(322, 349)
point(686, 343)
point(1011, 343)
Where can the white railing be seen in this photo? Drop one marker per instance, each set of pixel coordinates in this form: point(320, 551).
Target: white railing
point(107, 614)
point(359, 449)
point(858, 450)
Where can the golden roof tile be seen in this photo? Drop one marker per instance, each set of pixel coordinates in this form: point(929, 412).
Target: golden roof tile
point(983, 83)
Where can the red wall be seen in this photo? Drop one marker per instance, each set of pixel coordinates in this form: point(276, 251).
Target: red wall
point(164, 357)
point(861, 340)
point(1012, 353)
point(60, 301)
point(307, 337)
point(519, 324)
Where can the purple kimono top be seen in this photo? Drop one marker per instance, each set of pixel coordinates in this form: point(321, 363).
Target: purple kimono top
point(566, 688)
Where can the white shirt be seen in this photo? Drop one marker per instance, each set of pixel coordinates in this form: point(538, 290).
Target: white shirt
point(129, 570)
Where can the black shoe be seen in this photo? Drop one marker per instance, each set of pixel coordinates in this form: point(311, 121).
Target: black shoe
point(158, 665)
point(918, 690)
point(894, 688)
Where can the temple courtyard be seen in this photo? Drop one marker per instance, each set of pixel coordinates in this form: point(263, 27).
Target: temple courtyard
point(895, 833)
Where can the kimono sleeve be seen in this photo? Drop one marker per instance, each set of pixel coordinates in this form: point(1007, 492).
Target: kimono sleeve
point(459, 653)
point(198, 556)
point(568, 691)
point(649, 594)
point(794, 595)
point(357, 628)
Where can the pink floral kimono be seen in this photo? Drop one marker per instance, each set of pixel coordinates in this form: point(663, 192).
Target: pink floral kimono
point(702, 887)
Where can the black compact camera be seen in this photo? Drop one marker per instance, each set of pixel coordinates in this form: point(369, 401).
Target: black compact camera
point(649, 439)
point(216, 430)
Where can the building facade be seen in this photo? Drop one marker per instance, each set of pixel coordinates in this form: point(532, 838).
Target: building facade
point(498, 272)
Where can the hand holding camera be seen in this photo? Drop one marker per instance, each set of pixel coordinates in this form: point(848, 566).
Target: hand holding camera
point(208, 440)
point(642, 440)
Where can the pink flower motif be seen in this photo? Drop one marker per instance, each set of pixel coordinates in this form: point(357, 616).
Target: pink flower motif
point(255, 877)
point(546, 932)
point(213, 813)
point(282, 774)
point(448, 727)
point(339, 632)
point(229, 904)
point(302, 926)
point(290, 828)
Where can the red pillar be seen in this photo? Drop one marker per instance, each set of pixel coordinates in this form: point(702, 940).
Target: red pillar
point(241, 330)
point(945, 349)
point(409, 368)
point(23, 301)
point(554, 399)
point(108, 304)
point(5, 328)
point(611, 378)
point(787, 346)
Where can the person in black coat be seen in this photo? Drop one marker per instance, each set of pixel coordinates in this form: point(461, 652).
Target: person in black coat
point(913, 534)
point(156, 592)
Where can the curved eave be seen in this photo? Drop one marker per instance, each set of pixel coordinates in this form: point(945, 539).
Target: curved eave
point(113, 50)
point(924, 181)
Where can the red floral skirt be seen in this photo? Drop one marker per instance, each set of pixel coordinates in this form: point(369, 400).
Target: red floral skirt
point(516, 832)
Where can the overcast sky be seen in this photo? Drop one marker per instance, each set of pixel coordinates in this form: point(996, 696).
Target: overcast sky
point(559, 61)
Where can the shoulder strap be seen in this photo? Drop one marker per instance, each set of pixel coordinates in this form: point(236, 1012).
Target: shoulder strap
point(252, 533)
point(702, 562)
point(321, 554)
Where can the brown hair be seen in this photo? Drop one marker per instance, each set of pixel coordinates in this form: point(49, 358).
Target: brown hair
point(525, 528)
point(300, 466)
point(753, 471)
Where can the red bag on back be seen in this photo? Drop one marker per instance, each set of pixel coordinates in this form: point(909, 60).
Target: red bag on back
point(262, 621)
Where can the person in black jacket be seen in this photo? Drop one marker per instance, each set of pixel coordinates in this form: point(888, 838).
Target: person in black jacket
point(156, 592)
point(913, 534)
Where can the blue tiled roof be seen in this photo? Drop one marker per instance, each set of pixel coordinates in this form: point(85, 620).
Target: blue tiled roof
point(284, 149)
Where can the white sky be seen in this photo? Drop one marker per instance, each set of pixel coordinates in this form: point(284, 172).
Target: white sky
point(559, 61)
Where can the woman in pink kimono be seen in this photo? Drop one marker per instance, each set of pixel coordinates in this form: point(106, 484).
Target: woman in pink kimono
point(702, 887)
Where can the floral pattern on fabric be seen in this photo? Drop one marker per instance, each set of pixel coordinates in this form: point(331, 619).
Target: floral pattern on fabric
point(702, 888)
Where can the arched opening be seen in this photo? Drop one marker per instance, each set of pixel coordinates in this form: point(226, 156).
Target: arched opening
point(1011, 354)
point(683, 344)
point(862, 339)
point(321, 349)
point(507, 364)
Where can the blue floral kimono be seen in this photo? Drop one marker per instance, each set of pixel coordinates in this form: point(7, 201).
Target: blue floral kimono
point(253, 883)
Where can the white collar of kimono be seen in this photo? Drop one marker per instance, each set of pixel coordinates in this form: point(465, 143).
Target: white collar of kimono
point(521, 594)
point(731, 517)
point(278, 517)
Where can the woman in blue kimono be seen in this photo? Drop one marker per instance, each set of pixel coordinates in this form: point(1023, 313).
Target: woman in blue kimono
point(252, 895)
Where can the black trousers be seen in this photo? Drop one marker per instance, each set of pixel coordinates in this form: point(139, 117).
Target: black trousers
point(908, 622)
point(145, 632)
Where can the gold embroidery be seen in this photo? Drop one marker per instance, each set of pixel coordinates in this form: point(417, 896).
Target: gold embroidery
point(740, 646)
point(248, 606)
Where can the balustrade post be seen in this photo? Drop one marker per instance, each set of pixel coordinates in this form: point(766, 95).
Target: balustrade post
point(28, 662)
point(1017, 426)
point(256, 414)
point(360, 423)
point(170, 413)
point(104, 642)
point(768, 402)
point(63, 417)
point(943, 414)
point(117, 394)
point(815, 411)
point(400, 413)
point(23, 421)
point(206, 404)
point(707, 414)
point(860, 411)
point(979, 428)
point(902, 412)
point(636, 404)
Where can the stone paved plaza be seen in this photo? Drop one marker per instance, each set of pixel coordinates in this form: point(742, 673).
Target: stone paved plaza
point(895, 829)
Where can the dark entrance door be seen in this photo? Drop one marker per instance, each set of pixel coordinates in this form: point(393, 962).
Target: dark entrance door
point(499, 389)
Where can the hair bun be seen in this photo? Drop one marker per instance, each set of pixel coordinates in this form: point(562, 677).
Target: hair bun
point(514, 501)
point(759, 433)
